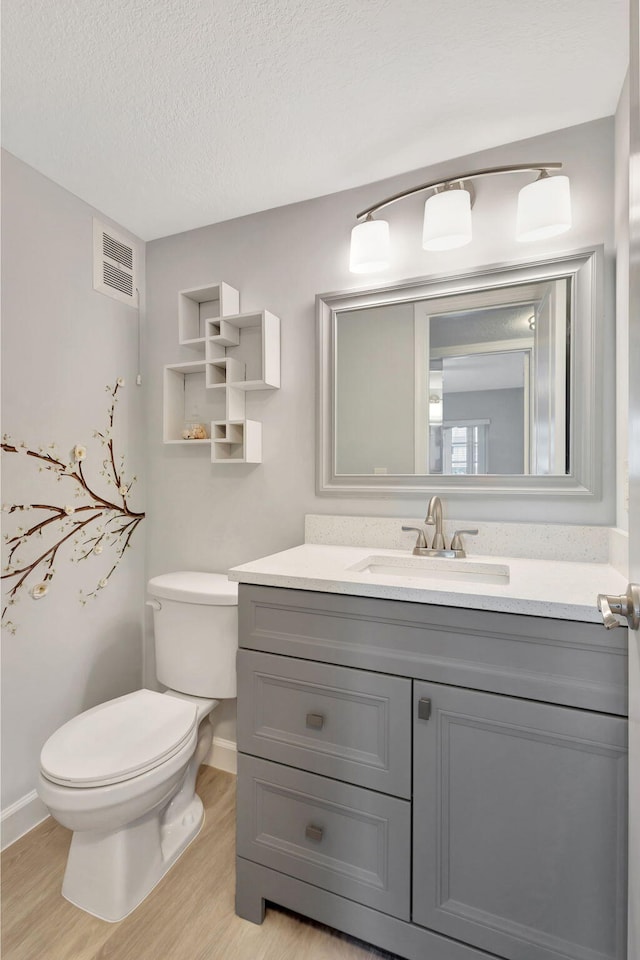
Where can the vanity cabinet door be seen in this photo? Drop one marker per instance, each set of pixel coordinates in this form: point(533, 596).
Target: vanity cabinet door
point(519, 821)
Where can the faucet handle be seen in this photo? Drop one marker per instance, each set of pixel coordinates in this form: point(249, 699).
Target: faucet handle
point(421, 542)
point(456, 542)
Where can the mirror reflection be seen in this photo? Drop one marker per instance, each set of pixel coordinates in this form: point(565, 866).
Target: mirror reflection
point(469, 384)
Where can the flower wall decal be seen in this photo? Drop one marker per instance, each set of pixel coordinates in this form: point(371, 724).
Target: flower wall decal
point(98, 523)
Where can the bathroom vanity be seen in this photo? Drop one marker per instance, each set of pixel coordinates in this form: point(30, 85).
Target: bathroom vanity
point(437, 768)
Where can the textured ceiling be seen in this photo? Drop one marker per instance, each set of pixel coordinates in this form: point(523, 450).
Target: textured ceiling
point(171, 114)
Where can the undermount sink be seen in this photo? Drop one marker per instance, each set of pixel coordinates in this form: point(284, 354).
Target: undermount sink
point(433, 568)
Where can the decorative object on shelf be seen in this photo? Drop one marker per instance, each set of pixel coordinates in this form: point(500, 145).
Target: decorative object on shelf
point(209, 318)
point(99, 523)
point(544, 210)
point(195, 431)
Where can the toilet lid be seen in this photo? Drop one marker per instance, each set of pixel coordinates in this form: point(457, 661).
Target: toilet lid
point(191, 586)
point(118, 740)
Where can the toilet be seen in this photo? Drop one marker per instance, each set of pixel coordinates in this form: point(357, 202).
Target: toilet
point(122, 775)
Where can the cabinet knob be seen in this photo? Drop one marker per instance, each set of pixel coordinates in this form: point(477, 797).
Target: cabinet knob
point(315, 721)
point(424, 708)
point(314, 833)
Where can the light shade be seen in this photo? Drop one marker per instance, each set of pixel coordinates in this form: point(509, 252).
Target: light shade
point(447, 220)
point(544, 209)
point(369, 247)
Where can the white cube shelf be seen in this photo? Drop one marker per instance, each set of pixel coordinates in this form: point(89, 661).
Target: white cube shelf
point(224, 372)
point(209, 318)
point(196, 306)
point(236, 441)
point(186, 400)
point(268, 324)
point(221, 332)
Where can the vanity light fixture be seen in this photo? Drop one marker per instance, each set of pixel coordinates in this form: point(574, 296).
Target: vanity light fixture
point(544, 210)
point(369, 246)
point(447, 219)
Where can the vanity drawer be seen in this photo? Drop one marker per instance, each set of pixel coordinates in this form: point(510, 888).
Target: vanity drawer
point(534, 658)
point(348, 724)
point(345, 839)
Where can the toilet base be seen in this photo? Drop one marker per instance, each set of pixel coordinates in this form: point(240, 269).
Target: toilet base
point(110, 873)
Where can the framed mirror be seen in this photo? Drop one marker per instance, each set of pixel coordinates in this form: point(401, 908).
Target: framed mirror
point(485, 381)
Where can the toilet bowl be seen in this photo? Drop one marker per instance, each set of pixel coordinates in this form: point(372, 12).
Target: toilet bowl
point(122, 775)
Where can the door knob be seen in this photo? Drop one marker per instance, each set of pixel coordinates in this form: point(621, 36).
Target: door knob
point(627, 606)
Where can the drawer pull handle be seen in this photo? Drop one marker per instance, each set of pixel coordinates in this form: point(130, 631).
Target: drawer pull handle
point(315, 721)
point(314, 833)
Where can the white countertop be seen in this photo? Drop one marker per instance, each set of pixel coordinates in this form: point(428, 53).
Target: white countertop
point(564, 590)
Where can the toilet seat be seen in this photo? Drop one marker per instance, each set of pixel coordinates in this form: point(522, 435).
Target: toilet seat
point(118, 740)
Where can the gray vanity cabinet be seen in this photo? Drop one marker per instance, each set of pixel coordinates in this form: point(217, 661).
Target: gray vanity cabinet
point(443, 783)
point(518, 814)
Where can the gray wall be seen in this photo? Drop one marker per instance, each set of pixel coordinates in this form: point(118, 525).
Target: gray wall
point(505, 410)
point(211, 518)
point(375, 374)
point(62, 343)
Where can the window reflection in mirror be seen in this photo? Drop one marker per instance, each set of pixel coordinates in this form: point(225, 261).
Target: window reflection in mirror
point(462, 385)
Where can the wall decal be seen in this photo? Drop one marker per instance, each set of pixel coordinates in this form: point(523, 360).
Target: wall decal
point(99, 523)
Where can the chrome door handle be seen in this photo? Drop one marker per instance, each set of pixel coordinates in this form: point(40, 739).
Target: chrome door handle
point(627, 606)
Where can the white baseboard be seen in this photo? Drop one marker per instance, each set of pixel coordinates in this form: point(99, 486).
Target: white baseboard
point(223, 755)
point(22, 816)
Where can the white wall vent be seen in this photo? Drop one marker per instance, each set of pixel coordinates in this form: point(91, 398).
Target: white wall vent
point(114, 264)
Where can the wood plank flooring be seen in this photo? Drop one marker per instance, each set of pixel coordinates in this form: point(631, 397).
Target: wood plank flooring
point(189, 916)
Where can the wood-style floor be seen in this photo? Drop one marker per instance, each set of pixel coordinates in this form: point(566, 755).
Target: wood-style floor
point(189, 916)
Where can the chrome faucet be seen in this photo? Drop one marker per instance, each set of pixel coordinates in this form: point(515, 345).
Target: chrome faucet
point(438, 548)
point(434, 516)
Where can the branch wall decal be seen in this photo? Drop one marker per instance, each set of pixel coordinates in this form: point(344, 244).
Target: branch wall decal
point(99, 523)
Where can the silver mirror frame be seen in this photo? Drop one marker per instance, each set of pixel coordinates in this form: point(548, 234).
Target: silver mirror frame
point(585, 270)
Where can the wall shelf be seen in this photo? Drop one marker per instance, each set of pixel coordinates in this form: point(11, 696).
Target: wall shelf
point(268, 328)
point(185, 399)
point(223, 333)
point(224, 372)
point(200, 304)
point(189, 443)
point(241, 354)
point(237, 441)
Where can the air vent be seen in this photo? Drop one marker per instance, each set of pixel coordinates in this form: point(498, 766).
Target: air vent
point(114, 264)
point(117, 279)
point(117, 251)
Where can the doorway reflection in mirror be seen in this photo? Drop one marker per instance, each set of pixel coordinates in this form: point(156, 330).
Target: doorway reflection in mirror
point(469, 384)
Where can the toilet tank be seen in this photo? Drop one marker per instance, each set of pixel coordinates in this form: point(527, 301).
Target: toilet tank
point(195, 621)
